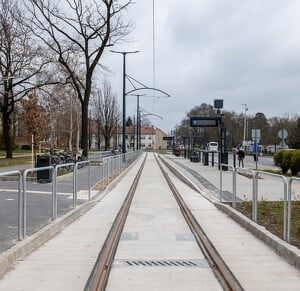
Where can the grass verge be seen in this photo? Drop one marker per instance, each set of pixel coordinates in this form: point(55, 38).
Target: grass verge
point(15, 161)
point(270, 215)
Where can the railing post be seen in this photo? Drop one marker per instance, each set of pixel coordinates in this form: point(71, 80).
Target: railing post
point(54, 195)
point(290, 180)
point(285, 209)
point(24, 204)
point(75, 186)
point(20, 199)
point(103, 182)
point(234, 187)
point(107, 172)
point(254, 195)
point(220, 193)
point(90, 180)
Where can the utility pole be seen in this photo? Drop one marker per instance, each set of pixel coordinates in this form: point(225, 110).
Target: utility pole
point(124, 53)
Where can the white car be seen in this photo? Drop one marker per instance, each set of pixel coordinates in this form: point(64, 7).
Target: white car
point(213, 146)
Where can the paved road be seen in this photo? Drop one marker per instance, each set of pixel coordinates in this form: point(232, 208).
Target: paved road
point(263, 163)
point(39, 201)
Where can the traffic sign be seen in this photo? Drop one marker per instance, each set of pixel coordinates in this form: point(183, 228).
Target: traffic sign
point(282, 133)
point(255, 134)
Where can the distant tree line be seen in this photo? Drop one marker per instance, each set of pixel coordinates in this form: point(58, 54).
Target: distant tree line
point(234, 123)
point(55, 123)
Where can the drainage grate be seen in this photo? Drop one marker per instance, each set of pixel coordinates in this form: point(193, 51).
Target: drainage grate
point(162, 263)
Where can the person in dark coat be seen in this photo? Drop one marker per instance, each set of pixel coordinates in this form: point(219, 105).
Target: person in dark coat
point(241, 156)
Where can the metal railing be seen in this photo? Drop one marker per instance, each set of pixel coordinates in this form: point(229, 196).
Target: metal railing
point(20, 198)
point(109, 168)
point(287, 190)
point(289, 206)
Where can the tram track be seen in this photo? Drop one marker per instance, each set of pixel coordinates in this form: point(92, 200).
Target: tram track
point(100, 274)
point(219, 267)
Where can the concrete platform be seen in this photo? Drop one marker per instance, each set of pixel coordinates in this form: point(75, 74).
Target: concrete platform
point(154, 231)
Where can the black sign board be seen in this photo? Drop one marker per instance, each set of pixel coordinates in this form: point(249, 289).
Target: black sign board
point(205, 121)
point(218, 103)
point(167, 137)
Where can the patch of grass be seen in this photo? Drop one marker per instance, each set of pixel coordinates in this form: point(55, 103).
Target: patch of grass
point(15, 161)
point(16, 152)
point(270, 215)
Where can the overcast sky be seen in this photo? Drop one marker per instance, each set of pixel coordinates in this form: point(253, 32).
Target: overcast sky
point(241, 51)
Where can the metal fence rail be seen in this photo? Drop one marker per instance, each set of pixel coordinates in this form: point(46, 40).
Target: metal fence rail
point(106, 169)
point(286, 197)
point(20, 198)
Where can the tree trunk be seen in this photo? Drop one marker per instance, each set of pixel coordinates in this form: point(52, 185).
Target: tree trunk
point(6, 135)
point(106, 141)
point(85, 117)
point(99, 137)
point(84, 129)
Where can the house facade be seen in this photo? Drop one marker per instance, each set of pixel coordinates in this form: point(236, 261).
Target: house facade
point(151, 138)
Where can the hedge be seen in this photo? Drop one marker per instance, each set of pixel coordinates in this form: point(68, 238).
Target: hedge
point(288, 160)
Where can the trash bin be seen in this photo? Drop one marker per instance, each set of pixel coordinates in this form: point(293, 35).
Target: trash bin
point(205, 158)
point(43, 175)
point(196, 157)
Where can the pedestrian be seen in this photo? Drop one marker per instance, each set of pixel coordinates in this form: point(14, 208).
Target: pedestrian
point(241, 156)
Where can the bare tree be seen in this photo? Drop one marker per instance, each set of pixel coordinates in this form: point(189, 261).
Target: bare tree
point(79, 30)
point(21, 64)
point(34, 119)
point(63, 116)
point(106, 111)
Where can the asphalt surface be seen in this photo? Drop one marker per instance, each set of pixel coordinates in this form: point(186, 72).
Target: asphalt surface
point(39, 201)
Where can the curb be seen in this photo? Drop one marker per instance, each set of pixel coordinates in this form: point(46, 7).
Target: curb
point(289, 252)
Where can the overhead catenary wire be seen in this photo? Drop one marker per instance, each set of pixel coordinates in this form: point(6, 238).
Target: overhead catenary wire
point(153, 52)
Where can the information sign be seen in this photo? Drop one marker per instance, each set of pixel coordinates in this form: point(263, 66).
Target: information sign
point(167, 137)
point(205, 121)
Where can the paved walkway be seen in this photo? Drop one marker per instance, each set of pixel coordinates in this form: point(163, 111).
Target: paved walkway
point(270, 187)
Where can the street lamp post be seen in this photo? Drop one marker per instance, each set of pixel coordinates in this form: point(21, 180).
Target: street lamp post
point(124, 53)
point(138, 122)
point(245, 124)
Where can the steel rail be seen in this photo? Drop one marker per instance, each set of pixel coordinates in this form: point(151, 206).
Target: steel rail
point(219, 267)
point(100, 273)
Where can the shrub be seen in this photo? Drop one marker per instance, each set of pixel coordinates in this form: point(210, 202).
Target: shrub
point(286, 161)
point(282, 159)
point(295, 163)
point(278, 158)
